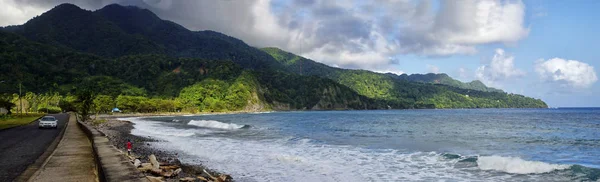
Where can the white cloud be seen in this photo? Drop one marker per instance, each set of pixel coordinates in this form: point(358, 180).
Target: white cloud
point(433, 69)
point(566, 72)
point(389, 70)
point(471, 22)
point(500, 68)
point(13, 14)
point(461, 25)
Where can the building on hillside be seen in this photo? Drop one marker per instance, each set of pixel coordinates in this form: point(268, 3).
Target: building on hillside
point(3, 110)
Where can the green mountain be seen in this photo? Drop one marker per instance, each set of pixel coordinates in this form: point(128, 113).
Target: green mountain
point(116, 30)
point(141, 63)
point(412, 91)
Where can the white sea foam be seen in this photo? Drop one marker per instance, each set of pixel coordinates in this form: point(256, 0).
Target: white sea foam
point(516, 165)
point(215, 124)
point(154, 128)
point(285, 160)
point(262, 112)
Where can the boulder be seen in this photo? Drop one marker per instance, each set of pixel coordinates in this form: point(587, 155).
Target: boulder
point(224, 177)
point(154, 162)
point(202, 178)
point(167, 174)
point(154, 179)
point(156, 172)
point(145, 167)
point(177, 171)
point(187, 179)
point(167, 167)
point(137, 163)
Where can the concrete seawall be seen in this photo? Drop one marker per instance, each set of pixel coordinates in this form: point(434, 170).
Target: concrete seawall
point(112, 164)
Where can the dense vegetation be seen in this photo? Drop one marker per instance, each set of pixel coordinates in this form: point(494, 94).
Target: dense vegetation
point(444, 79)
point(149, 83)
point(69, 58)
point(409, 91)
point(116, 31)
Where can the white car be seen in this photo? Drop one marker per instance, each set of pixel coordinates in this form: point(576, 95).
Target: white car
point(48, 122)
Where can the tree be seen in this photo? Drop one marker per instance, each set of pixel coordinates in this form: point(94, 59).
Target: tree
point(85, 92)
point(6, 102)
point(103, 103)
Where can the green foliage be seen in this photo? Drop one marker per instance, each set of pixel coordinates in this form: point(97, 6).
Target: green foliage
point(408, 91)
point(212, 95)
point(6, 102)
point(49, 109)
point(86, 92)
point(67, 103)
point(103, 103)
point(144, 104)
point(13, 120)
point(444, 79)
point(130, 103)
point(116, 31)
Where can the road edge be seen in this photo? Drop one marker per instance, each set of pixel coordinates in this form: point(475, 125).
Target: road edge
point(24, 124)
point(33, 168)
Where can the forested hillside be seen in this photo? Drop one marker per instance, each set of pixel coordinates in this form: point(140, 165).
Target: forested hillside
point(196, 84)
point(444, 79)
point(413, 91)
point(134, 60)
point(116, 31)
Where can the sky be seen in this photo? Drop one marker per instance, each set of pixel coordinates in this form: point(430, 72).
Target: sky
point(542, 49)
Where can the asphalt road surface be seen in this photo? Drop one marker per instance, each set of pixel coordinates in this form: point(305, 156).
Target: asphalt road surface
point(21, 146)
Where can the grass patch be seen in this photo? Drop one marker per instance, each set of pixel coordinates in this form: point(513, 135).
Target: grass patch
point(17, 120)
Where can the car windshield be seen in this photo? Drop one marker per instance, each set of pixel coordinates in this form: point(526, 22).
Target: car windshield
point(48, 119)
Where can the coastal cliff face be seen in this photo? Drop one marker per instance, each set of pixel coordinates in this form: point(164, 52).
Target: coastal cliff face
point(144, 60)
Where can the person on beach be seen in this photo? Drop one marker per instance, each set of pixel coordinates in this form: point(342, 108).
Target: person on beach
point(128, 147)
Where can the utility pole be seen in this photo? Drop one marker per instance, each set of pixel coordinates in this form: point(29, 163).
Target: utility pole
point(20, 99)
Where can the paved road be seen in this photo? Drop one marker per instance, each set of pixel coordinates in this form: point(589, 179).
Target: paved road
point(21, 146)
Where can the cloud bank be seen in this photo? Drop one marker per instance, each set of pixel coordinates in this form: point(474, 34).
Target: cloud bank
point(350, 34)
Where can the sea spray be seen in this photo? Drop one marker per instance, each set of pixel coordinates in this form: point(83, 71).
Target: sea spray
point(516, 165)
point(216, 124)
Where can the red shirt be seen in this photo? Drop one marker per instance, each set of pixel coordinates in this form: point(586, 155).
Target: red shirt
point(128, 145)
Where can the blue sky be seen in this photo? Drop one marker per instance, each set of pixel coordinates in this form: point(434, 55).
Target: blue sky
point(543, 49)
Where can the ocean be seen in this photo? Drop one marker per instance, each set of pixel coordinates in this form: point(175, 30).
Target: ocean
point(388, 145)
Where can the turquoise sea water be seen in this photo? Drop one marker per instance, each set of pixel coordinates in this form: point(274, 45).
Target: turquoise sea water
point(390, 145)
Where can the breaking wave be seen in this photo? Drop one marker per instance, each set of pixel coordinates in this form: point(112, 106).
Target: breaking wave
point(216, 124)
point(517, 165)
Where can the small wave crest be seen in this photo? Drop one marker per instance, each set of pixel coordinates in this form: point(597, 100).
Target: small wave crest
point(517, 165)
point(216, 124)
point(154, 128)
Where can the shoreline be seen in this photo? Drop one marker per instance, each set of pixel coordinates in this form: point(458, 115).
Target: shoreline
point(119, 131)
